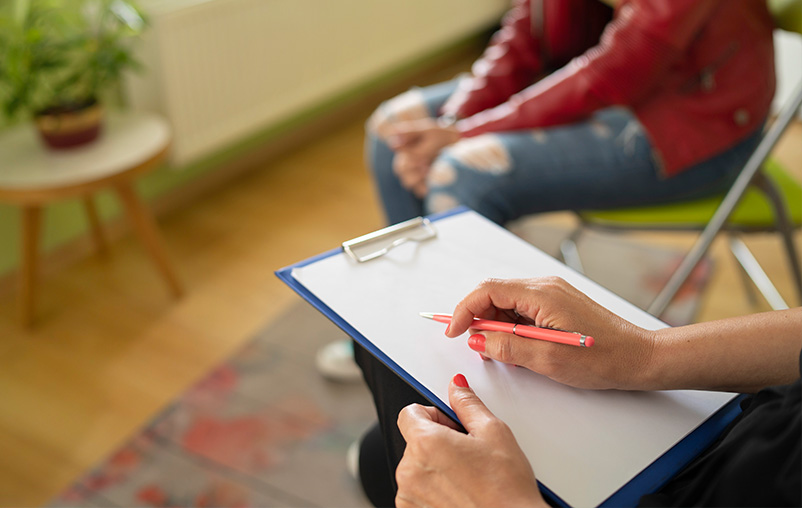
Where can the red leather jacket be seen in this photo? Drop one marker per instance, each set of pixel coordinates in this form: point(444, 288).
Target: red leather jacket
point(698, 74)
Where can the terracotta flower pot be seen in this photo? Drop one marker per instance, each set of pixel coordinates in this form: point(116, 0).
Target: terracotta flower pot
point(71, 125)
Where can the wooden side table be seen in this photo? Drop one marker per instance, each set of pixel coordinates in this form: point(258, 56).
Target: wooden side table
point(32, 176)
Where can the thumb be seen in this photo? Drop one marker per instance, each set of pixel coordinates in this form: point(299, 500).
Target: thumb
point(471, 411)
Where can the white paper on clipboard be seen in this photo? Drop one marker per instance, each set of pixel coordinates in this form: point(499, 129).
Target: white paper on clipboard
point(583, 445)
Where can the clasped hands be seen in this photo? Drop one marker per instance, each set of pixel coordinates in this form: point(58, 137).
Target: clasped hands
point(485, 467)
point(416, 143)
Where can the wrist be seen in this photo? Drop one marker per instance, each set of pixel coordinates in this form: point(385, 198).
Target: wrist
point(448, 124)
point(652, 369)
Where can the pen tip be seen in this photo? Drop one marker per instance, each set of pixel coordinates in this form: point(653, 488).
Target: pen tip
point(427, 315)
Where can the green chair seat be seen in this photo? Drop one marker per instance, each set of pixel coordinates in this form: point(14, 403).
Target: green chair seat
point(787, 14)
point(753, 212)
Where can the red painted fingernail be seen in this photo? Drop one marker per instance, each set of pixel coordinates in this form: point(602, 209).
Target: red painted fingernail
point(477, 342)
point(448, 328)
point(460, 381)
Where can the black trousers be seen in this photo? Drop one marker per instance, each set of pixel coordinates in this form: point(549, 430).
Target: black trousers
point(390, 395)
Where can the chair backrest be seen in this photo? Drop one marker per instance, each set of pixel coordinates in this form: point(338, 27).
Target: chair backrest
point(787, 14)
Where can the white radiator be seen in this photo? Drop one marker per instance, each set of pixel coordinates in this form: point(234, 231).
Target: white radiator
point(223, 70)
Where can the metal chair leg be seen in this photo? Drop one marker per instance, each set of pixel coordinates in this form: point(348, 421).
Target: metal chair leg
point(748, 283)
point(569, 251)
point(756, 273)
point(784, 226)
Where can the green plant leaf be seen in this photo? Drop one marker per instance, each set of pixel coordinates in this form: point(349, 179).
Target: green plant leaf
point(57, 50)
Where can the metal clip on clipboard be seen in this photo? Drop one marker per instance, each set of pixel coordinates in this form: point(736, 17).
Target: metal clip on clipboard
point(379, 243)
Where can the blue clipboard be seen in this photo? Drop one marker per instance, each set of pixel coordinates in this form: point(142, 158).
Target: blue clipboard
point(648, 481)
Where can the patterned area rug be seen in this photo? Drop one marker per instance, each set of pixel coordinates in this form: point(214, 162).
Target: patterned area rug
point(264, 429)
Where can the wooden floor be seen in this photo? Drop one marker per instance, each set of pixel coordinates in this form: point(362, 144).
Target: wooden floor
point(112, 347)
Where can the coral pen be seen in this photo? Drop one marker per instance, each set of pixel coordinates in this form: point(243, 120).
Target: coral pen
point(530, 332)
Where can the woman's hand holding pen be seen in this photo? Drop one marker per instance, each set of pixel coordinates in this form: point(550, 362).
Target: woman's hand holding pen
point(444, 467)
point(620, 357)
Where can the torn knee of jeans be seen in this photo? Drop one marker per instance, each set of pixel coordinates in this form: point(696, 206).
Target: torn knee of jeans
point(442, 173)
point(378, 124)
point(629, 136)
point(601, 129)
point(437, 202)
point(407, 106)
point(485, 153)
point(540, 136)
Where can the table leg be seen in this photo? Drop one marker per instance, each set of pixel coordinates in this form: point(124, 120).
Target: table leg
point(95, 226)
point(145, 227)
point(29, 266)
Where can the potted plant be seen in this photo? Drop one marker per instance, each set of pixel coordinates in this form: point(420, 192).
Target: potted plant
point(61, 59)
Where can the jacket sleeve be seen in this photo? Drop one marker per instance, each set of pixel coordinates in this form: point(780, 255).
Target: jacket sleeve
point(635, 51)
point(509, 63)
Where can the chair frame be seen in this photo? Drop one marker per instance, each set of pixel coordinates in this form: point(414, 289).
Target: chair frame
point(751, 175)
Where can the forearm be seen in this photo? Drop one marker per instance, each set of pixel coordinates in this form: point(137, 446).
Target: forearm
point(630, 62)
point(509, 64)
point(742, 354)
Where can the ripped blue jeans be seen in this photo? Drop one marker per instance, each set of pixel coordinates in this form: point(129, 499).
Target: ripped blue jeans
point(604, 162)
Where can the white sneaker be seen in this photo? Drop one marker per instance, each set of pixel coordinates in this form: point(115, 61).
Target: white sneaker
point(352, 460)
point(335, 361)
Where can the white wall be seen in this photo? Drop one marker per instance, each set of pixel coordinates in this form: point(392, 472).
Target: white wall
point(221, 70)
